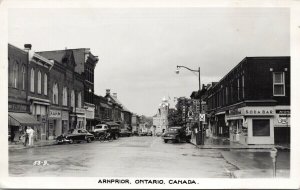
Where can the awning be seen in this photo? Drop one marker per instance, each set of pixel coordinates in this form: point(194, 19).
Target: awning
point(23, 119)
point(104, 105)
point(112, 123)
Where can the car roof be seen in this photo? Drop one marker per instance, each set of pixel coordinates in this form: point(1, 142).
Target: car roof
point(175, 127)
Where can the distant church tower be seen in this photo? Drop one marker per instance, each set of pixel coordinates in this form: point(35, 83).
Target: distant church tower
point(160, 120)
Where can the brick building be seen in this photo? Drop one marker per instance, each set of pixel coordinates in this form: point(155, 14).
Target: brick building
point(18, 106)
point(85, 63)
point(251, 104)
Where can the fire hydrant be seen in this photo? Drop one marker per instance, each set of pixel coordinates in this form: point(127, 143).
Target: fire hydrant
point(273, 153)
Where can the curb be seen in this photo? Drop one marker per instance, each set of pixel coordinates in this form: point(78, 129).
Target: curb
point(28, 147)
point(226, 148)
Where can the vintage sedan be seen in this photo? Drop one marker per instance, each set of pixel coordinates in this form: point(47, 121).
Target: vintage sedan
point(125, 133)
point(176, 134)
point(75, 135)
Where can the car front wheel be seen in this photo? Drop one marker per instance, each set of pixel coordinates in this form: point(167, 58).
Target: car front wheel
point(71, 141)
point(165, 141)
point(116, 136)
point(88, 140)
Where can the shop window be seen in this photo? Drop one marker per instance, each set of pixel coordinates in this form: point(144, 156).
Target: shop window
point(261, 127)
point(278, 84)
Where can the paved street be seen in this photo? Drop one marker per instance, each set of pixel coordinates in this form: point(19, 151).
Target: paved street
point(125, 157)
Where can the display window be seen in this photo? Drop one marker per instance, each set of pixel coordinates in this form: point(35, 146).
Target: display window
point(261, 127)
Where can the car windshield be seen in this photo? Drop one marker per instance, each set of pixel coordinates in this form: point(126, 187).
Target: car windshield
point(98, 127)
point(71, 131)
point(173, 130)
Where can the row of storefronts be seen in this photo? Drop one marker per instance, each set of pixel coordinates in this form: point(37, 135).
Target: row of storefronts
point(46, 91)
point(53, 92)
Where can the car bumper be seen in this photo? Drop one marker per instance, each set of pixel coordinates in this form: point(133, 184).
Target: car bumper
point(62, 140)
point(169, 138)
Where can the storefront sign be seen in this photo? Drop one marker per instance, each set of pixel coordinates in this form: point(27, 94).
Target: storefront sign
point(54, 114)
point(282, 118)
point(285, 112)
point(17, 107)
point(258, 111)
point(90, 113)
point(64, 115)
point(80, 110)
point(234, 112)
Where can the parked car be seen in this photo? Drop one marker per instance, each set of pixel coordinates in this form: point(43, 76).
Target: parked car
point(149, 133)
point(135, 133)
point(176, 134)
point(125, 133)
point(75, 135)
point(159, 134)
point(142, 133)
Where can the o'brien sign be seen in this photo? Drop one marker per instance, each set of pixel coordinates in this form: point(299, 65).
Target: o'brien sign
point(257, 111)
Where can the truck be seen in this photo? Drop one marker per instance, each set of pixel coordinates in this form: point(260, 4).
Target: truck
point(111, 127)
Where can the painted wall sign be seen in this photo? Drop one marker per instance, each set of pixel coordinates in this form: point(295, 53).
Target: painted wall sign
point(17, 107)
point(54, 114)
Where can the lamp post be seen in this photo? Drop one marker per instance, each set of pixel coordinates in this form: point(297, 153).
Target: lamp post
point(200, 129)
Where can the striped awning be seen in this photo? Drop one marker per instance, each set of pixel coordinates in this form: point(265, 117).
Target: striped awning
point(22, 119)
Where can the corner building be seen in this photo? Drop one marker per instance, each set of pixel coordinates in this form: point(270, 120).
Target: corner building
point(251, 104)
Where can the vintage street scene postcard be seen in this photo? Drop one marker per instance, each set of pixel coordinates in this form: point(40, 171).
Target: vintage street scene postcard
point(147, 94)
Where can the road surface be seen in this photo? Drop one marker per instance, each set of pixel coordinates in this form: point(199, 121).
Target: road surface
point(125, 157)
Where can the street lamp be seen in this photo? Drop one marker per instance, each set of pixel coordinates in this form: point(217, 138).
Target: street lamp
point(200, 123)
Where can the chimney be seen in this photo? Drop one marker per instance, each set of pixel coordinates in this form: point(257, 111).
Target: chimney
point(107, 91)
point(27, 47)
point(114, 95)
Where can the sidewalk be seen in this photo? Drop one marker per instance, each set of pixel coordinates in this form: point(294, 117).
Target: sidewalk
point(252, 161)
point(19, 145)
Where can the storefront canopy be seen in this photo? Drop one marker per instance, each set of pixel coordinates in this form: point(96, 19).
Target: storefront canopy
point(23, 119)
point(112, 123)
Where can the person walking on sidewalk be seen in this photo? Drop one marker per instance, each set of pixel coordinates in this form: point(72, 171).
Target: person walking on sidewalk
point(30, 132)
point(24, 137)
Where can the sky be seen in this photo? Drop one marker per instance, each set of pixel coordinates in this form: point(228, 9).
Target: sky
point(139, 48)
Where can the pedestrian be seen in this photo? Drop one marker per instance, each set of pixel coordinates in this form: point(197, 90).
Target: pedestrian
point(25, 137)
point(30, 132)
point(12, 135)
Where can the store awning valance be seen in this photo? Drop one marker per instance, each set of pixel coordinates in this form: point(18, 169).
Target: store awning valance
point(22, 119)
point(112, 123)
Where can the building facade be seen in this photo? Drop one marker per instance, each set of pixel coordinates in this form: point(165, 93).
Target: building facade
point(251, 104)
point(19, 115)
point(160, 120)
point(84, 65)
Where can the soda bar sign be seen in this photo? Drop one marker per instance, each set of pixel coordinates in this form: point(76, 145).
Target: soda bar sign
point(257, 111)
